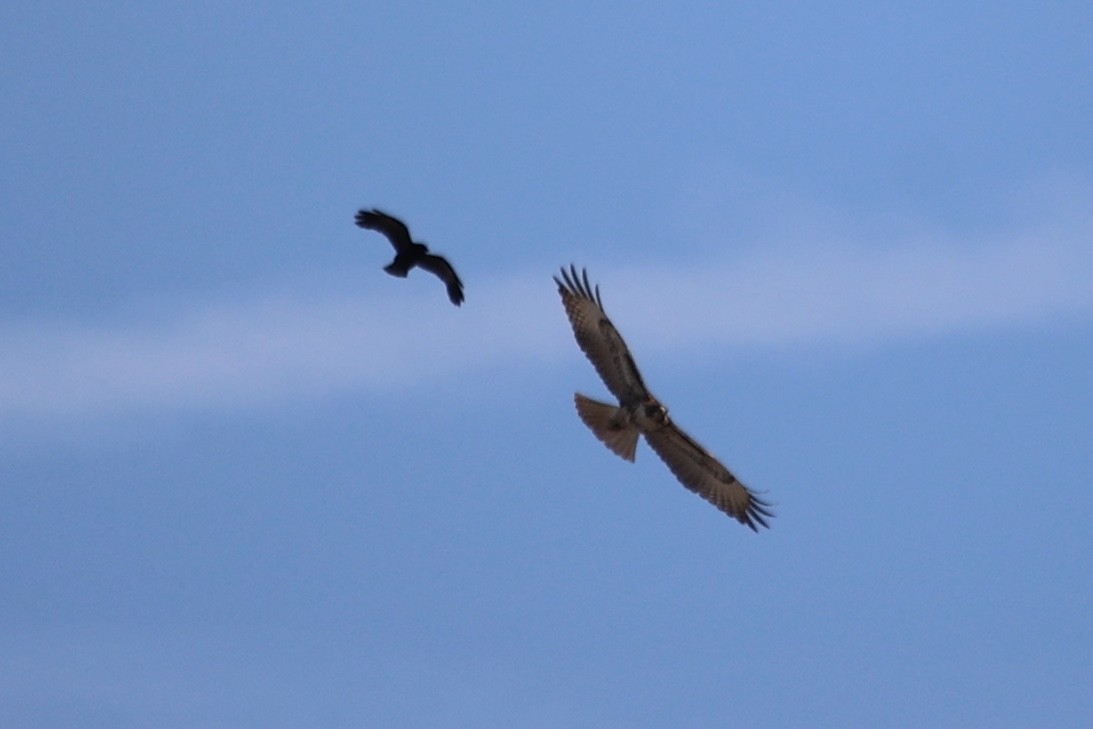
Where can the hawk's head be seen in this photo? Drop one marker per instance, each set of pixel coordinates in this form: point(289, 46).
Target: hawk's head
point(653, 414)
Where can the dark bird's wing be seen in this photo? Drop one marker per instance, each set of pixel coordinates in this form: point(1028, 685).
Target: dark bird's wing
point(439, 266)
point(598, 338)
point(698, 469)
point(395, 230)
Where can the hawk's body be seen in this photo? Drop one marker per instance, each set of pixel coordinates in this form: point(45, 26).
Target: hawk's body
point(409, 253)
point(639, 413)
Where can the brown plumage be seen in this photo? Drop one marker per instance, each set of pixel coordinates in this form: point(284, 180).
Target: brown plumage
point(408, 253)
point(639, 413)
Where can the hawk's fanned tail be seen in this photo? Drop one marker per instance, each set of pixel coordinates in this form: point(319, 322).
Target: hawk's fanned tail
point(610, 425)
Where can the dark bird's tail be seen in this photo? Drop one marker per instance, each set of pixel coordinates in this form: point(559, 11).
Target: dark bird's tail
point(609, 424)
point(400, 266)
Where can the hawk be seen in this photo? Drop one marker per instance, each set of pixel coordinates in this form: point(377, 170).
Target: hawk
point(639, 413)
point(409, 253)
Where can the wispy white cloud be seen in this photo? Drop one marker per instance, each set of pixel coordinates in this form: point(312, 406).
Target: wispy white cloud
point(823, 287)
point(231, 353)
point(844, 294)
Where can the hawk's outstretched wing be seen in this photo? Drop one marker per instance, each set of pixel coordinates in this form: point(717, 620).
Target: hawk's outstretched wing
point(439, 266)
point(598, 338)
point(698, 469)
point(391, 227)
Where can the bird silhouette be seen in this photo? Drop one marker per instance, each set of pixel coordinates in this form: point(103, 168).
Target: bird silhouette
point(409, 253)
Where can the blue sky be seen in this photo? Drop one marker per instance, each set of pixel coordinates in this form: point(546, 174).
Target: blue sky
point(249, 480)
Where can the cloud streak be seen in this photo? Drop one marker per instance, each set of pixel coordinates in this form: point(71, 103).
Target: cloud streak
point(849, 295)
point(314, 343)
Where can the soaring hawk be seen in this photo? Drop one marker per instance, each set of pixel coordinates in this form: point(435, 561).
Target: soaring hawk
point(639, 413)
point(408, 253)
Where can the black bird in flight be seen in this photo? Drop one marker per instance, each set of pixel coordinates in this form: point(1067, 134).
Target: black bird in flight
point(409, 254)
point(639, 413)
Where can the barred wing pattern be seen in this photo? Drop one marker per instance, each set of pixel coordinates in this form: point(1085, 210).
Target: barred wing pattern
point(698, 469)
point(598, 338)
